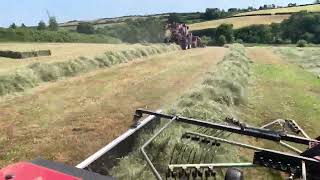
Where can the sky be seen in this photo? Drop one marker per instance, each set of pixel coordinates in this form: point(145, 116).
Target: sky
point(30, 12)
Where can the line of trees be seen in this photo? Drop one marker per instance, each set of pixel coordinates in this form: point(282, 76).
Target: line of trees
point(300, 26)
point(52, 25)
point(132, 31)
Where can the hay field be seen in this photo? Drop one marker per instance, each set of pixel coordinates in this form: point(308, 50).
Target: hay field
point(306, 58)
point(69, 119)
point(280, 89)
point(271, 87)
point(32, 75)
point(60, 52)
point(309, 8)
point(239, 22)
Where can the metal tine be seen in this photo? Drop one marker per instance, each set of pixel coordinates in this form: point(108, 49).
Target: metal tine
point(194, 155)
point(206, 130)
point(203, 155)
point(191, 150)
point(179, 150)
point(200, 129)
point(181, 154)
point(172, 154)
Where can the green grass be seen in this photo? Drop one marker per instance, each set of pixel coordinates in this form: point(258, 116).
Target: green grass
point(33, 35)
point(281, 91)
point(286, 91)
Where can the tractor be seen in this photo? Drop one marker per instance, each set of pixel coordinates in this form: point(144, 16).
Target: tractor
point(179, 34)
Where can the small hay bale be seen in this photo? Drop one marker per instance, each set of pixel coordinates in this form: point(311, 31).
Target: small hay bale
point(226, 46)
point(23, 55)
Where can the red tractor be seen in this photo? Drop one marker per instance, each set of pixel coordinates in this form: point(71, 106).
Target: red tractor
point(179, 34)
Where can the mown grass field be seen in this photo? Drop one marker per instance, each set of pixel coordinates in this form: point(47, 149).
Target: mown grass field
point(307, 58)
point(60, 52)
point(70, 119)
point(280, 89)
point(239, 22)
point(309, 8)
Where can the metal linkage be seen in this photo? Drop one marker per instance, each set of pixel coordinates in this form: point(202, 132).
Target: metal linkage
point(305, 165)
point(293, 126)
point(292, 164)
point(142, 149)
point(287, 124)
point(248, 131)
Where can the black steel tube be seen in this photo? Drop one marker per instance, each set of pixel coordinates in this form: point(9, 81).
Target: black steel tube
point(248, 131)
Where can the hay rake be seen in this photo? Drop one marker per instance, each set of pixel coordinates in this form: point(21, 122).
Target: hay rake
point(301, 164)
point(193, 157)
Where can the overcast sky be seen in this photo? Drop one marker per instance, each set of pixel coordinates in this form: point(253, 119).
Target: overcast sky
point(31, 12)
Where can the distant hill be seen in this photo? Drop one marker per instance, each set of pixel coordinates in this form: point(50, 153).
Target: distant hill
point(284, 10)
point(239, 22)
point(106, 21)
point(267, 16)
point(192, 17)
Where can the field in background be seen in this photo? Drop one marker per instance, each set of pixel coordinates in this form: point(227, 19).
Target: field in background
point(309, 8)
point(60, 52)
point(239, 22)
point(70, 119)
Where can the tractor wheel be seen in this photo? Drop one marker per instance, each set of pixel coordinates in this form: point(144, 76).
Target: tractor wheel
point(184, 47)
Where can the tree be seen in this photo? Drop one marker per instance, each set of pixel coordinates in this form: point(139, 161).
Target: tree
point(174, 17)
point(23, 25)
point(41, 25)
point(13, 26)
point(221, 40)
point(317, 2)
point(86, 28)
point(53, 24)
point(226, 30)
point(299, 24)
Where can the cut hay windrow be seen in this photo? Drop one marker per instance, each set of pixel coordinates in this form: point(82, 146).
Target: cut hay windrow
point(214, 100)
point(30, 76)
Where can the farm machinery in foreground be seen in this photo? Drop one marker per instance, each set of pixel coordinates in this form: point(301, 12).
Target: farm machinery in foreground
point(179, 34)
point(299, 164)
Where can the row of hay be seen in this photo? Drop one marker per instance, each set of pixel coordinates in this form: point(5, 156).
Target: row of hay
point(22, 55)
point(213, 100)
point(36, 73)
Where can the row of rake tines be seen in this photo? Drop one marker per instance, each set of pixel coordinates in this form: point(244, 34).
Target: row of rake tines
point(185, 153)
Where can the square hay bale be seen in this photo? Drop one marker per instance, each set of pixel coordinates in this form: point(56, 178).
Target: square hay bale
point(23, 55)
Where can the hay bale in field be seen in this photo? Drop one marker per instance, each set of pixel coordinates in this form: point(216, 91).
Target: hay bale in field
point(23, 55)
